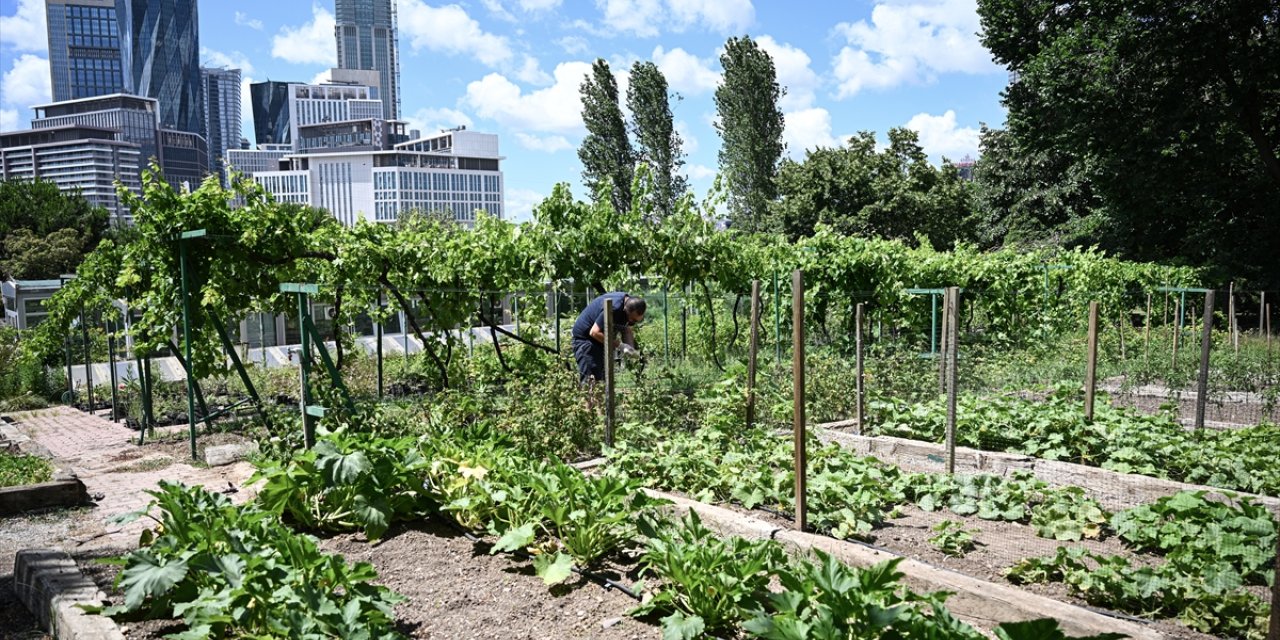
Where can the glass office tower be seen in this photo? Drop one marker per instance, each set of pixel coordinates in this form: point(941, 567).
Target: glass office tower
point(366, 34)
point(160, 54)
point(221, 115)
point(84, 48)
point(271, 122)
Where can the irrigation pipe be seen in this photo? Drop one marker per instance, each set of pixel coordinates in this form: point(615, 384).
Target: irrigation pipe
point(590, 575)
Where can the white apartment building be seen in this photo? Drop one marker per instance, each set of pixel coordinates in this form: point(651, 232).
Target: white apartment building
point(78, 158)
point(318, 103)
point(456, 172)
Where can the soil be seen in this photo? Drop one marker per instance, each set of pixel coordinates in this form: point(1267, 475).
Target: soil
point(58, 528)
point(454, 590)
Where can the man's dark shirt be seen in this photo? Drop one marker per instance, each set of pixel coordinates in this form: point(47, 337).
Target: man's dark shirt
point(594, 314)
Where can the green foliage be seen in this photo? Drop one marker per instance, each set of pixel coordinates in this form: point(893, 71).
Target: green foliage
point(237, 571)
point(750, 128)
point(953, 539)
point(1068, 514)
point(1127, 71)
point(857, 190)
point(659, 145)
point(18, 469)
point(43, 232)
point(608, 162)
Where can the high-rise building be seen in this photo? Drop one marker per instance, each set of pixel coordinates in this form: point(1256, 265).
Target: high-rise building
point(271, 122)
point(76, 157)
point(160, 55)
point(366, 35)
point(84, 48)
point(221, 115)
point(320, 103)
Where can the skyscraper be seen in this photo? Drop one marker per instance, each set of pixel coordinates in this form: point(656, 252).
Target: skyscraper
point(366, 35)
point(160, 55)
point(84, 48)
point(221, 115)
point(271, 121)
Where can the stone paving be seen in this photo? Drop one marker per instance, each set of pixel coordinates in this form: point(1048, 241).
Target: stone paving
point(116, 471)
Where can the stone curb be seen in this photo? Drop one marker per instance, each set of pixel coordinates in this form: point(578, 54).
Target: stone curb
point(50, 584)
point(979, 602)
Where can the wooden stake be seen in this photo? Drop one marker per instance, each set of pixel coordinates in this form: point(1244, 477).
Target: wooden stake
point(752, 352)
point(1146, 333)
point(952, 329)
point(797, 374)
point(1231, 313)
point(942, 355)
point(1091, 369)
point(861, 391)
point(608, 372)
point(1206, 343)
point(1176, 331)
point(1268, 331)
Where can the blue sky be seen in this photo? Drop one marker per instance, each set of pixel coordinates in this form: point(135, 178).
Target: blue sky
point(513, 67)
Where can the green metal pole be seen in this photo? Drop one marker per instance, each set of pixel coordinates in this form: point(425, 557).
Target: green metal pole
point(111, 362)
point(88, 359)
point(515, 310)
point(148, 398)
point(378, 334)
point(666, 337)
point(555, 310)
point(262, 338)
point(71, 387)
point(186, 341)
point(777, 321)
point(933, 326)
point(308, 426)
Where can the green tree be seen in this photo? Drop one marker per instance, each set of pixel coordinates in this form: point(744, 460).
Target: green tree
point(1032, 197)
point(43, 231)
point(857, 190)
point(606, 154)
point(660, 146)
point(750, 128)
point(1172, 110)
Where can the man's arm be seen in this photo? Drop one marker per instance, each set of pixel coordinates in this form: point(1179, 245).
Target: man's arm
point(629, 336)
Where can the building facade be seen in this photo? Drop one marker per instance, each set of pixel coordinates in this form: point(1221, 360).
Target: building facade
point(271, 122)
point(85, 57)
point(184, 158)
point(321, 103)
point(221, 115)
point(78, 158)
point(456, 173)
point(366, 35)
point(160, 55)
point(264, 158)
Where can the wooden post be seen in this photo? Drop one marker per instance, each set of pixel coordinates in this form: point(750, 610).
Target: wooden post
point(797, 375)
point(952, 334)
point(1206, 343)
point(1146, 334)
point(1268, 331)
point(608, 372)
point(752, 353)
point(859, 414)
point(1091, 369)
point(1273, 631)
point(1177, 331)
point(1231, 313)
point(942, 355)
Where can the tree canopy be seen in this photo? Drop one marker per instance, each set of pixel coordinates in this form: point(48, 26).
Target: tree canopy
point(43, 231)
point(660, 146)
point(607, 158)
point(750, 129)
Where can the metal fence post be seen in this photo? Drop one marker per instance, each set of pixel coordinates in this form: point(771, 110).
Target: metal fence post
point(798, 418)
point(608, 372)
point(1273, 632)
point(304, 362)
point(666, 328)
point(1091, 368)
point(186, 335)
point(946, 347)
point(952, 332)
point(752, 353)
point(377, 334)
point(1206, 344)
point(858, 413)
point(88, 359)
point(111, 362)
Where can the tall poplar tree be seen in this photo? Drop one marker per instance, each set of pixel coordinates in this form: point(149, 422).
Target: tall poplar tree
point(606, 154)
point(660, 147)
point(750, 128)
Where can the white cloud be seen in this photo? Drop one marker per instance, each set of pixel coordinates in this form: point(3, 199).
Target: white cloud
point(720, 16)
point(638, 17)
point(573, 45)
point(27, 82)
point(25, 30)
point(549, 144)
point(449, 30)
point(686, 73)
point(554, 109)
point(794, 73)
point(244, 20)
point(807, 129)
point(500, 12)
point(234, 60)
point(9, 120)
point(531, 72)
point(691, 145)
point(429, 121)
point(321, 78)
point(520, 204)
point(538, 5)
point(700, 172)
point(910, 43)
point(246, 108)
point(940, 136)
point(311, 43)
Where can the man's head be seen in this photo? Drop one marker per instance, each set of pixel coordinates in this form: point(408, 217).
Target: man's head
point(635, 309)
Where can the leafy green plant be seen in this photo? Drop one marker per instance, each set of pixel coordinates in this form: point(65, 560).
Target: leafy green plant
point(229, 570)
point(953, 539)
point(19, 469)
point(705, 584)
point(1066, 513)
